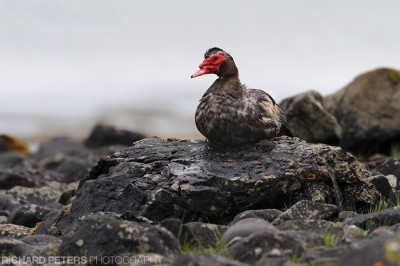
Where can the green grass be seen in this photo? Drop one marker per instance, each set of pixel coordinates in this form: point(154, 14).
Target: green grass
point(194, 246)
point(395, 152)
point(329, 240)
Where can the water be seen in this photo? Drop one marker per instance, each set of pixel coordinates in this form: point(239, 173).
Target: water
point(67, 64)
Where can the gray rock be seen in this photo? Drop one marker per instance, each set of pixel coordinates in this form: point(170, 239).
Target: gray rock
point(246, 227)
point(345, 215)
point(157, 179)
point(374, 220)
point(323, 255)
point(381, 251)
point(306, 209)
point(10, 247)
point(60, 145)
point(266, 214)
point(39, 195)
point(318, 226)
point(368, 111)
point(205, 234)
point(11, 159)
point(104, 235)
point(14, 231)
point(308, 119)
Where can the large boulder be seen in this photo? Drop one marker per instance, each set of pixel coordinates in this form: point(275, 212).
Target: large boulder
point(368, 110)
point(157, 179)
point(308, 119)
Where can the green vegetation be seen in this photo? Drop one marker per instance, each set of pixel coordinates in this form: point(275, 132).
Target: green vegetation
point(329, 240)
point(294, 257)
point(194, 246)
point(395, 152)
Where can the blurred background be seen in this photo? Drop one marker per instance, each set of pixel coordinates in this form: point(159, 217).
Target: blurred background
point(66, 65)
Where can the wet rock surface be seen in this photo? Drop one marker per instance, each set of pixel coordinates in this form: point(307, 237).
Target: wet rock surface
point(157, 179)
point(177, 202)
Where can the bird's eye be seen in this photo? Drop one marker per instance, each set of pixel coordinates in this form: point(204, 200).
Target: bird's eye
point(215, 58)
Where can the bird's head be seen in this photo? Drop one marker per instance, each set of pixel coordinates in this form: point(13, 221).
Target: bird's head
point(216, 61)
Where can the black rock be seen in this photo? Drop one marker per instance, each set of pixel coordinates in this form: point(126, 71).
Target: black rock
point(157, 179)
point(105, 235)
point(103, 135)
point(382, 185)
point(29, 214)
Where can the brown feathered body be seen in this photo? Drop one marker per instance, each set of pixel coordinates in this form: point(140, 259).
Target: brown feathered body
point(229, 114)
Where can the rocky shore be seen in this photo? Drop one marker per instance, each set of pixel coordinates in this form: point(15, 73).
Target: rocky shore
point(119, 198)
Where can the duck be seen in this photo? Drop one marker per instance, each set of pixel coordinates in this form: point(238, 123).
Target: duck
point(230, 114)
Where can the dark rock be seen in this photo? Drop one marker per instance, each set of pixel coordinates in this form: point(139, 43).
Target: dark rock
point(29, 214)
point(374, 220)
point(103, 135)
point(390, 167)
point(11, 159)
point(308, 119)
point(378, 251)
point(382, 185)
point(45, 245)
point(266, 214)
point(306, 209)
point(246, 227)
point(251, 248)
point(103, 235)
point(159, 179)
point(55, 223)
point(14, 231)
point(205, 260)
point(10, 178)
point(368, 111)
